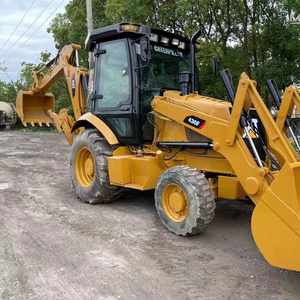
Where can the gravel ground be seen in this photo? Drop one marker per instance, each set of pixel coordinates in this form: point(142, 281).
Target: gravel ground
point(52, 246)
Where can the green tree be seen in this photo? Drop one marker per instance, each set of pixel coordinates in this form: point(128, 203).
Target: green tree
point(71, 26)
point(250, 35)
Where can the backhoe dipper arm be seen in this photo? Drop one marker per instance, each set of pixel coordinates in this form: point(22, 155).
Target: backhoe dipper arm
point(34, 106)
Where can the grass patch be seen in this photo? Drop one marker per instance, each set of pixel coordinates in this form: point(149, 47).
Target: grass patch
point(29, 128)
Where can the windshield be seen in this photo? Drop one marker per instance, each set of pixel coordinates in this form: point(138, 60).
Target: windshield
point(160, 75)
point(162, 72)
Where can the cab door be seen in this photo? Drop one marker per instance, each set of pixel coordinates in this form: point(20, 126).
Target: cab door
point(113, 89)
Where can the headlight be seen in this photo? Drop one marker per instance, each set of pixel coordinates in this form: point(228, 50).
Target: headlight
point(181, 45)
point(129, 27)
point(164, 40)
point(175, 42)
point(154, 37)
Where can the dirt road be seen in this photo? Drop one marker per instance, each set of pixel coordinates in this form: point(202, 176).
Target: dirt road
point(52, 246)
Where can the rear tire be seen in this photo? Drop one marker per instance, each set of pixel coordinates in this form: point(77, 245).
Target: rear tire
point(184, 200)
point(89, 168)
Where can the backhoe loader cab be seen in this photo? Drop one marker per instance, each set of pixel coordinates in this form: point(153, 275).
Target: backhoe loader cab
point(126, 81)
point(149, 129)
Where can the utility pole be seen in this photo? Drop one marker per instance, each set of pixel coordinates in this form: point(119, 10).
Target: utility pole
point(89, 18)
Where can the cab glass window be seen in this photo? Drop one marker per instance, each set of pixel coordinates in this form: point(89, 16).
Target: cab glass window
point(113, 74)
point(160, 75)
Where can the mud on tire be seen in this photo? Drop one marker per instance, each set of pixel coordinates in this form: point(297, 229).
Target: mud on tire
point(200, 198)
point(100, 190)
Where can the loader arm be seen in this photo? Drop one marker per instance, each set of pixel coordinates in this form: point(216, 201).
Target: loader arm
point(289, 101)
point(285, 108)
point(275, 221)
point(37, 106)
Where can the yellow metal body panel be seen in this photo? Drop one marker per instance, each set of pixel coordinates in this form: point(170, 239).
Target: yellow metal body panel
point(212, 162)
point(99, 124)
point(207, 163)
point(145, 171)
point(119, 170)
point(137, 172)
point(230, 188)
point(122, 150)
point(207, 105)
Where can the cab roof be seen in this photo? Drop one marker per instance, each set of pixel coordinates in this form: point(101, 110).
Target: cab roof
point(117, 31)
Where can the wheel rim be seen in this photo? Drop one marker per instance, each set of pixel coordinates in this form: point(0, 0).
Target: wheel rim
point(175, 202)
point(85, 167)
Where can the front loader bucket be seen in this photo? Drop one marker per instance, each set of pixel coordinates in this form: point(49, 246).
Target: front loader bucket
point(276, 222)
point(32, 108)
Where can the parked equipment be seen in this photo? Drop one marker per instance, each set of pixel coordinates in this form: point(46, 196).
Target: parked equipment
point(8, 115)
point(148, 130)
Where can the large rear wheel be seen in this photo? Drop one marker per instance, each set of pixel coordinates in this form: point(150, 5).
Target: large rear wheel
point(89, 168)
point(184, 200)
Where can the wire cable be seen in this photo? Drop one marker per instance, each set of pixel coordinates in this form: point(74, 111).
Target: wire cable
point(185, 150)
point(27, 29)
point(36, 30)
point(174, 154)
point(17, 25)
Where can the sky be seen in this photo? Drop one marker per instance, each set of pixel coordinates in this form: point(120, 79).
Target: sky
point(31, 37)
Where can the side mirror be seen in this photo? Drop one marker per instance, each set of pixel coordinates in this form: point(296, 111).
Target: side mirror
point(145, 49)
point(215, 67)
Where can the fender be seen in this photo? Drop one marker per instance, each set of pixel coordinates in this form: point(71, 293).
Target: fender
point(89, 120)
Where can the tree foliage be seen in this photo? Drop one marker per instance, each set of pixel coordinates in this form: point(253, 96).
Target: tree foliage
point(252, 36)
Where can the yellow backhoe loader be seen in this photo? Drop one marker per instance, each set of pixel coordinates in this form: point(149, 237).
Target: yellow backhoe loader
point(146, 128)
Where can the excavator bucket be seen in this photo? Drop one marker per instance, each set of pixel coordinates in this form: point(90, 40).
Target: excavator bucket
point(32, 108)
point(276, 219)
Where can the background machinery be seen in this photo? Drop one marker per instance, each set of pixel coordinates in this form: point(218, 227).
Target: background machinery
point(8, 115)
point(144, 128)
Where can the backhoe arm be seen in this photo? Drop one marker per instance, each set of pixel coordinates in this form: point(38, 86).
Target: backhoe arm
point(37, 106)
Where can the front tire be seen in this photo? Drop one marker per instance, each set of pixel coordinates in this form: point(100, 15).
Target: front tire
point(184, 200)
point(89, 168)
